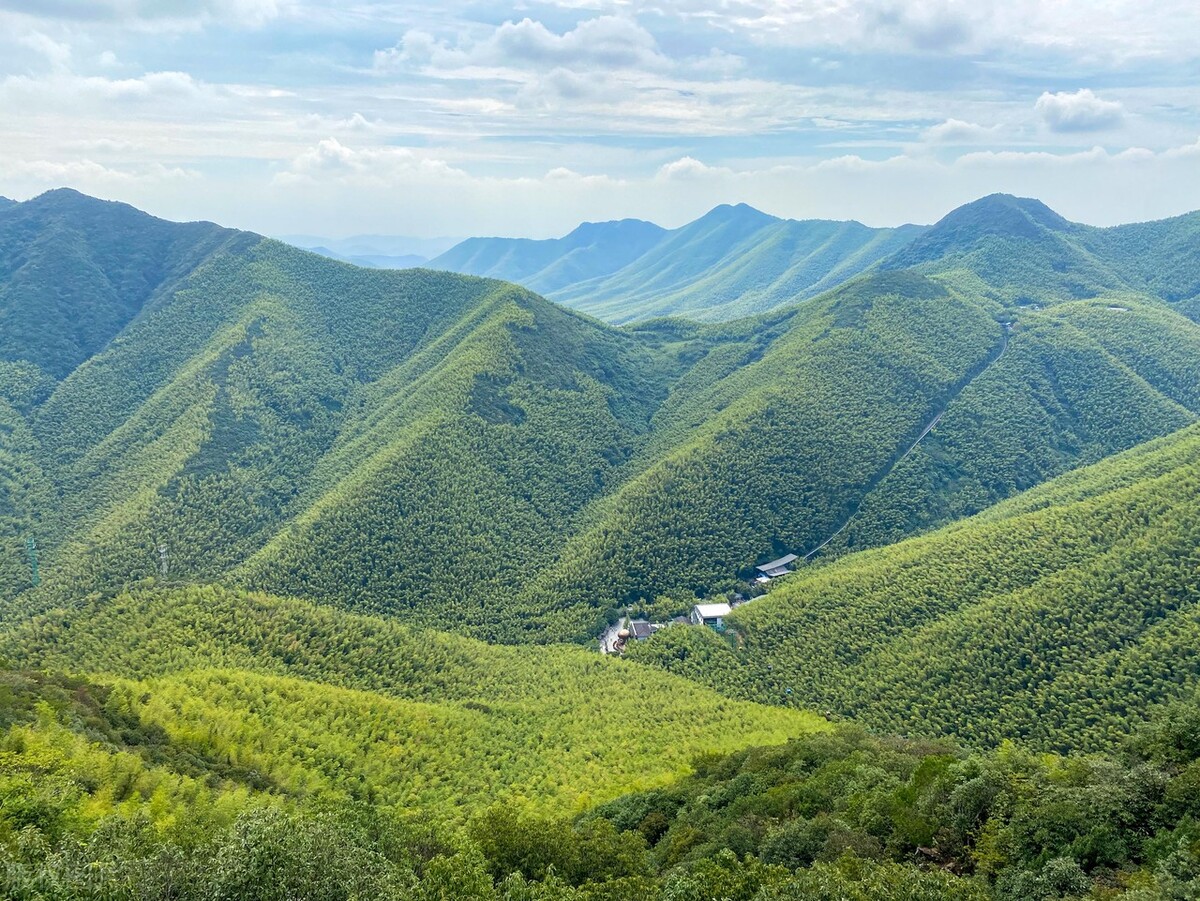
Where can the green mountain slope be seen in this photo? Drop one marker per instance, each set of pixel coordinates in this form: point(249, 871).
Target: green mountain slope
point(1027, 254)
point(327, 703)
point(465, 455)
point(1078, 381)
point(75, 271)
point(734, 261)
point(1058, 617)
point(593, 249)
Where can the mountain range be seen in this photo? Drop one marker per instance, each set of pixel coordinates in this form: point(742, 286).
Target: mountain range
point(463, 454)
point(302, 563)
point(736, 261)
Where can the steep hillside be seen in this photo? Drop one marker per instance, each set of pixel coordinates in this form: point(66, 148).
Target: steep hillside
point(75, 271)
point(1021, 252)
point(462, 454)
point(320, 702)
point(1157, 257)
point(734, 261)
point(465, 455)
point(1059, 617)
point(1078, 381)
point(270, 382)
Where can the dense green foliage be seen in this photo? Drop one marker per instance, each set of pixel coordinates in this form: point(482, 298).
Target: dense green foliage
point(181, 404)
point(461, 454)
point(1077, 382)
point(1025, 827)
point(98, 801)
point(734, 261)
point(73, 274)
point(1020, 251)
point(1057, 618)
point(362, 706)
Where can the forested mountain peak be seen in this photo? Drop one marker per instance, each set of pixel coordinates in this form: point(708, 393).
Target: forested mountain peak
point(588, 232)
point(965, 228)
point(75, 270)
point(736, 212)
point(1000, 211)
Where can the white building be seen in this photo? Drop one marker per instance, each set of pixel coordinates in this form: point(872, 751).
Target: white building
point(709, 615)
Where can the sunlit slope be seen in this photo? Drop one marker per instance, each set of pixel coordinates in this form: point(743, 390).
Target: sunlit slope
point(463, 454)
point(798, 435)
point(1019, 250)
point(1078, 381)
point(1058, 617)
point(272, 383)
point(320, 701)
point(735, 262)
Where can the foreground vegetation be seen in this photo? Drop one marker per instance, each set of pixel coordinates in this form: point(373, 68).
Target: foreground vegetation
point(334, 704)
point(97, 801)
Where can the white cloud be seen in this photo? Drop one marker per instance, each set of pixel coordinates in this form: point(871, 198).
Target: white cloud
point(938, 26)
point(161, 94)
point(55, 173)
point(1080, 111)
point(1114, 30)
point(57, 54)
point(956, 131)
point(689, 168)
point(602, 43)
point(155, 14)
point(332, 161)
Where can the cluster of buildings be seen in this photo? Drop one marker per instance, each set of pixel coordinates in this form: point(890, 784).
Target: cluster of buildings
point(711, 614)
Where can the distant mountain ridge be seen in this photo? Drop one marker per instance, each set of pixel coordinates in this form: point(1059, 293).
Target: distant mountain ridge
point(737, 261)
point(733, 261)
point(592, 250)
point(374, 251)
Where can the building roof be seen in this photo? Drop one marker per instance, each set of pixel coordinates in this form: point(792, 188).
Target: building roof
point(712, 611)
point(777, 564)
point(641, 628)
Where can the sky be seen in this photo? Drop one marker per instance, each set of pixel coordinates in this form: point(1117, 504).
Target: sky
point(472, 118)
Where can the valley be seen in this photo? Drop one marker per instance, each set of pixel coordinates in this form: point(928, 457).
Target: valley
point(302, 564)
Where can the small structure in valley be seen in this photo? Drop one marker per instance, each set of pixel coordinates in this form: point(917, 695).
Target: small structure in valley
point(642, 629)
point(775, 568)
point(712, 615)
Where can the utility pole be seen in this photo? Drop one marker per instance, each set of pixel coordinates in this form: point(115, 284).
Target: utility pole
point(31, 551)
point(162, 560)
